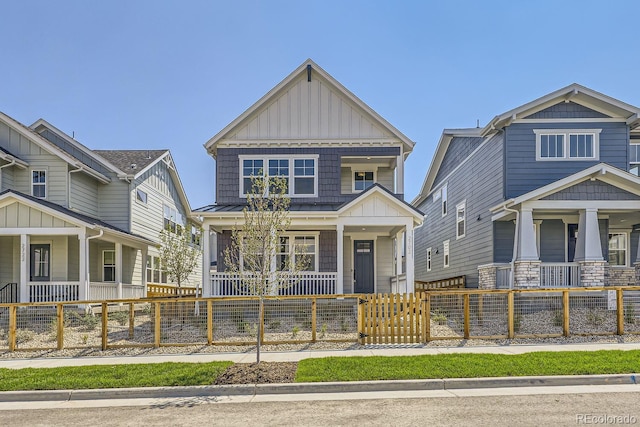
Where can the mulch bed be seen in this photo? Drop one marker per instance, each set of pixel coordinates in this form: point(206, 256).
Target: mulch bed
point(258, 373)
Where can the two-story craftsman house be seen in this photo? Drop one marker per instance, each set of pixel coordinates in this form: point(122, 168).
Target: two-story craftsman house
point(77, 224)
point(545, 195)
point(345, 168)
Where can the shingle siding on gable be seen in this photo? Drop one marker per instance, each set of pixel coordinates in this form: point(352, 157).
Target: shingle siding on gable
point(479, 182)
point(524, 173)
point(567, 110)
point(329, 174)
point(459, 149)
point(592, 190)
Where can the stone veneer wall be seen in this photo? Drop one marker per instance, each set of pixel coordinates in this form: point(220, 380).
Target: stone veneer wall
point(620, 276)
point(592, 273)
point(527, 274)
point(487, 276)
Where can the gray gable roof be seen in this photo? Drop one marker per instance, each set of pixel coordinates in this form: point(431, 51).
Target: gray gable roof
point(125, 159)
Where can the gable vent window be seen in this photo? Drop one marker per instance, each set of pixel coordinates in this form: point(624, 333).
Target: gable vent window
point(573, 144)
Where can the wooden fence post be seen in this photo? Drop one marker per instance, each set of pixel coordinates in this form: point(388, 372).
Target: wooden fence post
point(510, 314)
point(620, 311)
point(209, 322)
point(132, 319)
point(314, 309)
point(565, 312)
point(60, 325)
point(105, 325)
point(426, 318)
point(13, 314)
point(467, 316)
point(157, 323)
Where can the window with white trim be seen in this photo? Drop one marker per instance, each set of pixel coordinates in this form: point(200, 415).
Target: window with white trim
point(108, 266)
point(618, 249)
point(443, 196)
point(279, 168)
point(173, 220)
point(445, 249)
point(196, 235)
point(634, 157)
point(39, 183)
point(291, 247)
point(302, 171)
point(567, 144)
point(461, 220)
point(363, 180)
point(306, 246)
point(428, 259)
point(141, 196)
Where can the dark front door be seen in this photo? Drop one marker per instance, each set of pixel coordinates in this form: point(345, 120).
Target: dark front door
point(40, 263)
point(572, 238)
point(363, 266)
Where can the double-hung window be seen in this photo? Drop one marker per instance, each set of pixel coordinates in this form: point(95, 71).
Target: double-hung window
point(567, 144)
point(445, 249)
point(443, 197)
point(363, 180)
point(618, 249)
point(299, 172)
point(428, 259)
point(461, 221)
point(634, 157)
point(305, 246)
point(108, 266)
point(39, 184)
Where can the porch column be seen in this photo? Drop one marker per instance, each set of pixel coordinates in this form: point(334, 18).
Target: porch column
point(588, 245)
point(119, 268)
point(409, 258)
point(398, 254)
point(340, 259)
point(589, 249)
point(145, 252)
point(400, 173)
point(24, 267)
point(527, 263)
point(528, 250)
point(83, 273)
point(206, 261)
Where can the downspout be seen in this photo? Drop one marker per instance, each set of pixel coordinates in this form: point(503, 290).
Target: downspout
point(80, 168)
point(88, 267)
point(13, 162)
point(515, 245)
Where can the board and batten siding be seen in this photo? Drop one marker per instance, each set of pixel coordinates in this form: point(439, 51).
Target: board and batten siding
point(524, 173)
point(6, 178)
point(479, 182)
point(20, 215)
point(38, 159)
point(307, 110)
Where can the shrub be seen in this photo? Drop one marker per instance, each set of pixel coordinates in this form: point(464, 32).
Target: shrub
point(439, 318)
point(323, 330)
point(294, 331)
point(558, 318)
point(122, 317)
point(594, 318)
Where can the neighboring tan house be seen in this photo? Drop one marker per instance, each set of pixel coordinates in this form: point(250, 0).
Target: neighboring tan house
point(78, 224)
point(345, 168)
point(545, 195)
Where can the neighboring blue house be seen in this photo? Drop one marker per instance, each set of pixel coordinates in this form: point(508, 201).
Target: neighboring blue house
point(345, 168)
point(545, 195)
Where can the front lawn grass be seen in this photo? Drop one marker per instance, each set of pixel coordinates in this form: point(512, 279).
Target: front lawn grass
point(468, 366)
point(111, 376)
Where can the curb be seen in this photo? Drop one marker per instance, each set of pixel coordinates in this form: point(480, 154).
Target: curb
point(327, 387)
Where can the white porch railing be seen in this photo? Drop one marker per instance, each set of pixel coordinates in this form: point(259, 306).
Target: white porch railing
point(132, 291)
point(559, 275)
point(308, 283)
point(102, 290)
point(399, 284)
point(53, 291)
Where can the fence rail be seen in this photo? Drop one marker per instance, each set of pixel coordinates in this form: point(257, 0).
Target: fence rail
point(431, 315)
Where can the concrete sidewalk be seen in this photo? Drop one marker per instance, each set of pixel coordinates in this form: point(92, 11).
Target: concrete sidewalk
point(294, 356)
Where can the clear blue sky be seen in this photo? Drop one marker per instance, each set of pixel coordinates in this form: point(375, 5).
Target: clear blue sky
point(171, 74)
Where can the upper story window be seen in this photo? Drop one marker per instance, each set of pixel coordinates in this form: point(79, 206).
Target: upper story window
point(363, 180)
point(461, 220)
point(302, 171)
point(445, 249)
point(573, 144)
point(196, 235)
point(141, 196)
point(428, 259)
point(634, 158)
point(443, 197)
point(39, 183)
point(173, 220)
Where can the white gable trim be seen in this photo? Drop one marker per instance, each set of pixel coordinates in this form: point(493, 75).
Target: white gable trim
point(405, 209)
point(212, 144)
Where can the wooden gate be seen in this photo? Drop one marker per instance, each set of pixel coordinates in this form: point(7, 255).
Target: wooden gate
point(391, 319)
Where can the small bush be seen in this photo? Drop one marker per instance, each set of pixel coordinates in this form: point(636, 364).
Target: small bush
point(323, 330)
point(295, 331)
point(594, 318)
point(122, 317)
point(558, 318)
point(439, 318)
point(517, 322)
point(629, 314)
